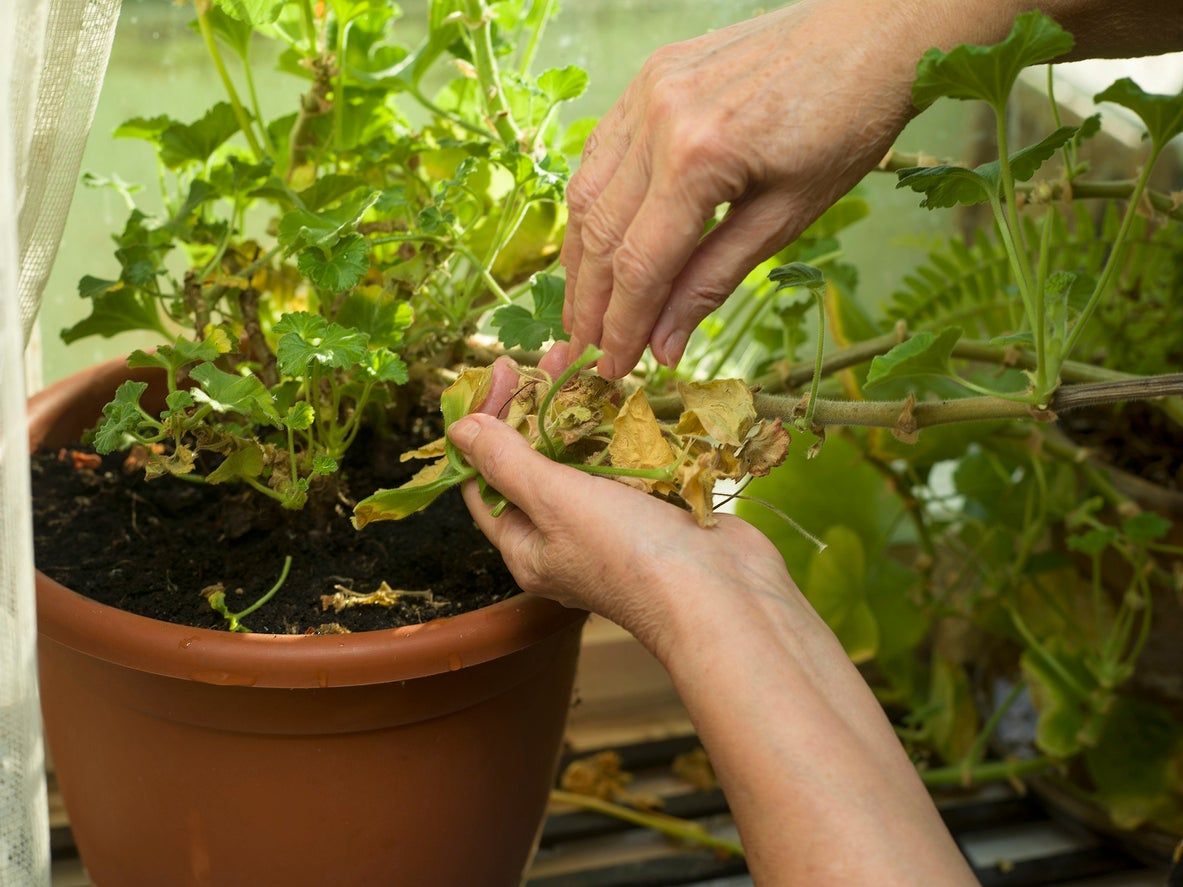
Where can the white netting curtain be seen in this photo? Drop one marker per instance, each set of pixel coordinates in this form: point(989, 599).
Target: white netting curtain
point(53, 54)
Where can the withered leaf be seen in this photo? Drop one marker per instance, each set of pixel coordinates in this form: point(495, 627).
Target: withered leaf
point(765, 448)
point(638, 441)
point(433, 450)
point(696, 484)
point(722, 409)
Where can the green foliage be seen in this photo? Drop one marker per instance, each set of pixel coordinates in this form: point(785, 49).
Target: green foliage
point(988, 73)
point(529, 330)
point(925, 354)
point(947, 186)
point(797, 274)
point(1161, 114)
point(301, 261)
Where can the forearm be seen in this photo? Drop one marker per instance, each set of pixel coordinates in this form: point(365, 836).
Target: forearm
point(820, 786)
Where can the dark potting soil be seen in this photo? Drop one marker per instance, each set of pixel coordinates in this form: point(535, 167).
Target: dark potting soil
point(1135, 437)
point(151, 547)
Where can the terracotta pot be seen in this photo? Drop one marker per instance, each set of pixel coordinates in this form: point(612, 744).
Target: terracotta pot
point(420, 755)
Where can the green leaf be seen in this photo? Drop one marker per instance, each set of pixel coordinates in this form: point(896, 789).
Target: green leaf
point(519, 327)
point(246, 461)
point(378, 313)
point(563, 84)
point(182, 351)
point(1092, 542)
point(1146, 527)
point(1065, 718)
point(1026, 162)
point(328, 189)
point(148, 129)
point(945, 186)
point(798, 274)
point(228, 393)
point(1088, 128)
point(836, 587)
point(988, 73)
point(184, 143)
point(234, 31)
point(300, 228)
point(383, 365)
point(115, 308)
point(925, 354)
point(252, 12)
point(121, 417)
point(338, 269)
point(323, 464)
point(415, 495)
point(1161, 114)
point(178, 401)
point(1135, 763)
point(299, 416)
point(309, 338)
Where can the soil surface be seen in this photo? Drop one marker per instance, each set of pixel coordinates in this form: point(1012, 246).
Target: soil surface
point(1135, 437)
point(151, 547)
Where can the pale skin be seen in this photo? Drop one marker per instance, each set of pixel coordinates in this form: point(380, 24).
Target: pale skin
point(775, 117)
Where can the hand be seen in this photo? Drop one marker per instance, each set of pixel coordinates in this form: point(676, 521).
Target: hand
point(777, 117)
point(594, 543)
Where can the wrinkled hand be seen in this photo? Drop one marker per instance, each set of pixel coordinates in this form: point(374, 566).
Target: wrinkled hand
point(596, 544)
point(777, 116)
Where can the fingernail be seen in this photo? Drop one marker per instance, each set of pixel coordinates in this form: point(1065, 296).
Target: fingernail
point(671, 349)
point(464, 431)
point(607, 367)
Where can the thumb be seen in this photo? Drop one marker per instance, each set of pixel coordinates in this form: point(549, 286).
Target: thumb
point(507, 461)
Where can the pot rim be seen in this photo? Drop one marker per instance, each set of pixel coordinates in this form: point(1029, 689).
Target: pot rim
point(270, 660)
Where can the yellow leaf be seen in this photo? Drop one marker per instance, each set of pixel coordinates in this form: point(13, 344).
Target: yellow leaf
point(433, 450)
point(465, 394)
point(696, 483)
point(722, 409)
point(637, 440)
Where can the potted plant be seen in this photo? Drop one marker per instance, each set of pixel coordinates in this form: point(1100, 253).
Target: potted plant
point(217, 710)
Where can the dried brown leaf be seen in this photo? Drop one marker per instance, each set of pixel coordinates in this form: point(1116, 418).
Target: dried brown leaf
point(765, 448)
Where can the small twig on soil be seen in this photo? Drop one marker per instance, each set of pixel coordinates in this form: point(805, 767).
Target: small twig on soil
point(382, 596)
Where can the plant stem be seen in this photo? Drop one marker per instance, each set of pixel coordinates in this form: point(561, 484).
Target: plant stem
point(541, 11)
point(1017, 262)
point(978, 749)
point(309, 26)
point(283, 576)
point(680, 829)
point(612, 471)
point(1115, 255)
point(817, 361)
point(488, 75)
point(248, 72)
point(589, 356)
point(817, 543)
point(991, 771)
point(211, 44)
point(1008, 190)
point(1040, 331)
